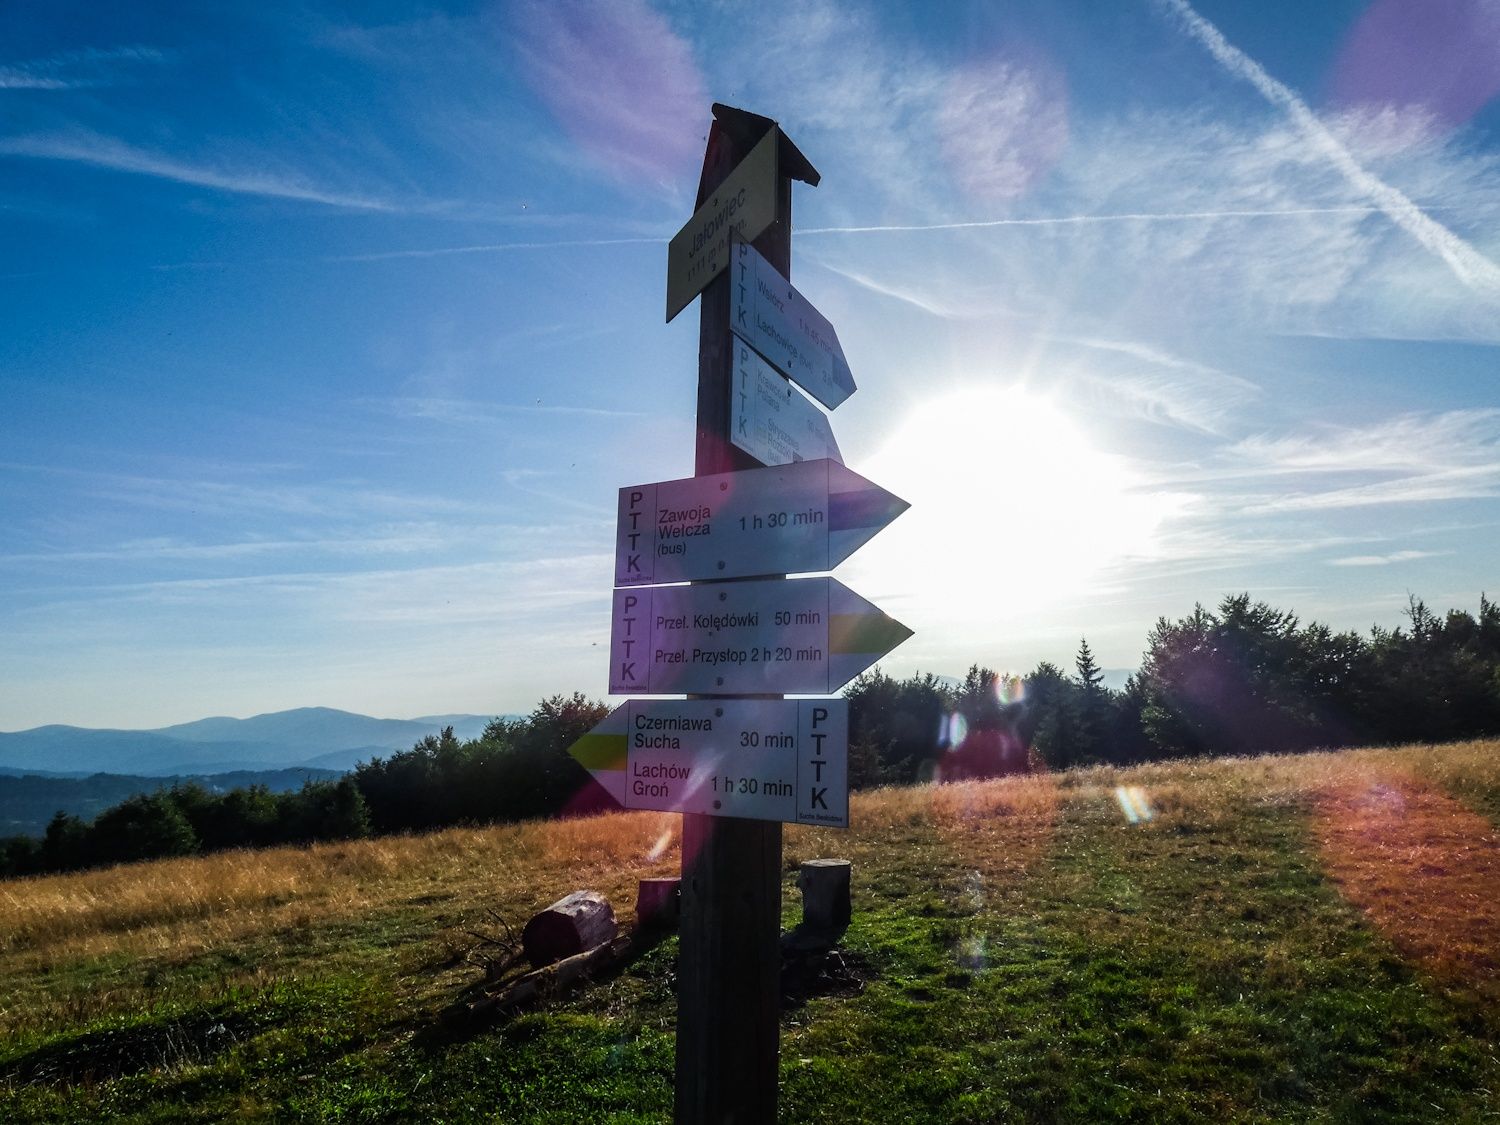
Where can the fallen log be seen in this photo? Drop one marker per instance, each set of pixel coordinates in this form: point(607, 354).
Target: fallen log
point(573, 924)
point(539, 984)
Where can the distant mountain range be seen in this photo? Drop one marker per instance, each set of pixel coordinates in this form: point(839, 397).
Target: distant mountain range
point(310, 737)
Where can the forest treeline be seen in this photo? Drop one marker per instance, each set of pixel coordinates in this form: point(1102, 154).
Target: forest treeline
point(1243, 678)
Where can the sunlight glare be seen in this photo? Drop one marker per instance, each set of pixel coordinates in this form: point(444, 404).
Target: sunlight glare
point(1011, 502)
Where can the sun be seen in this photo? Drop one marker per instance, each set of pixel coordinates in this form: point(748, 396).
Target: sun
point(1013, 506)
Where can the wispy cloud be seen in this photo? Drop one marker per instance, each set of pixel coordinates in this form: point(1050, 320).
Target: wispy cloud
point(72, 70)
point(161, 549)
point(929, 299)
point(1406, 459)
point(205, 497)
point(491, 591)
point(1386, 560)
point(1151, 217)
point(827, 64)
point(1165, 388)
point(1002, 122)
point(84, 147)
point(1206, 544)
point(1450, 441)
point(619, 80)
point(1468, 264)
point(1481, 482)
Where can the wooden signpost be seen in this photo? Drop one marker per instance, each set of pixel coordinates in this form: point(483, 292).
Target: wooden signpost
point(769, 497)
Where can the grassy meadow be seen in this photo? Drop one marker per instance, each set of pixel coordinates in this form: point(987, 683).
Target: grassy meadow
point(1284, 938)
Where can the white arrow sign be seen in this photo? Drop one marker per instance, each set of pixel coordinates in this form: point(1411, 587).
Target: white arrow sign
point(765, 759)
point(783, 520)
point(770, 419)
point(781, 324)
point(795, 636)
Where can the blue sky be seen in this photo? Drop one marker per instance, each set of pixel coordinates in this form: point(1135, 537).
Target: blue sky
point(329, 331)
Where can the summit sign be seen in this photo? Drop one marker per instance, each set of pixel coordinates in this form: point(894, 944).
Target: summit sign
point(744, 203)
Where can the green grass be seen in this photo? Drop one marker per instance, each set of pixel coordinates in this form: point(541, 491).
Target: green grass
point(1201, 966)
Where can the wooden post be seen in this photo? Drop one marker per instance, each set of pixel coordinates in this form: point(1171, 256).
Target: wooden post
point(656, 903)
point(824, 884)
point(728, 977)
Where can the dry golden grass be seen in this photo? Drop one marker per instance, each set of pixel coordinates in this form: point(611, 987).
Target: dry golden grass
point(1002, 828)
point(171, 912)
point(177, 908)
point(1005, 827)
point(1425, 869)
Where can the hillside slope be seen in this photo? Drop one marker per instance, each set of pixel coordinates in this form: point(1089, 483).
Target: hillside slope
point(1312, 937)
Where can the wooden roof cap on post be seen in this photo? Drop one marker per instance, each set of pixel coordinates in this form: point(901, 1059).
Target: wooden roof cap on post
point(747, 128)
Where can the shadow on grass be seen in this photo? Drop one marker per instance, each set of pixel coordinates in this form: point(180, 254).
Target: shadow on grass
point(110, 1053)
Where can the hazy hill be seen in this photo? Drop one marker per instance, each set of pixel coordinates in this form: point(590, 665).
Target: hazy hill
point(319, 737)
point(27, 802)
point(323, 727)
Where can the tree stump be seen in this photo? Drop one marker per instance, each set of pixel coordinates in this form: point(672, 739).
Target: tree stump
point(571, 925)
point(658, 903)
point(824, 884)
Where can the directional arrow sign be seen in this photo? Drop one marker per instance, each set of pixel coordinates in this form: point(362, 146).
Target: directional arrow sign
point(783, 520)
point(745, 202)
point(799, 636)
point(770, 419)
point(765, 759)
point(780, 323)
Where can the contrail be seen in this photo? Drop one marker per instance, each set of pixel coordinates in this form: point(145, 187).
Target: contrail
point(1468, 264)
point(977, 224)
point(492, 248)
point(1115, 217)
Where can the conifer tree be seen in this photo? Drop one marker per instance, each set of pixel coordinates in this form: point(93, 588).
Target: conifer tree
point(1093, 707)
point(1090, 676)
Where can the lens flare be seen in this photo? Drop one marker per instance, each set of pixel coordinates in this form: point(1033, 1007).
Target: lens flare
point(972, 952)
point(1439, 59)
point(1133, 803)
point(659, 849)
point(974, 890)
point(952, 730)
